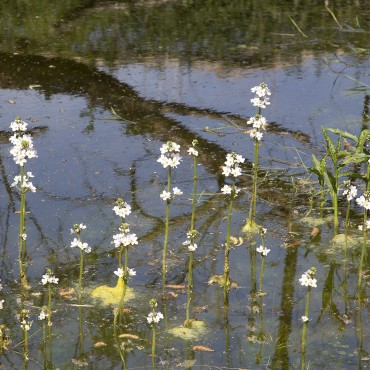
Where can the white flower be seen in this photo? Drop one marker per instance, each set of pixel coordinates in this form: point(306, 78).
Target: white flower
point(192, 247)
point(122, 209)
point(360, 227)
point(236, 171)
point(169, 156)
point(26, 325)
point(47, 278)
point(154, 317)
point(119, 272)
point(165, 195)
point(261, 90)
point(256, 135)
point(307, 278)
point(304, 319)
point(1, 304)
point(43, 314)
point(263, 251)
point(77, 228)
point(226, 189)
point(83, 246)
point(18, 125)
point(226, 170)
point(131, 272)
point(364, 201)
point(177, 191)
point(124, 240)
point(192, 151)
point(258, 122)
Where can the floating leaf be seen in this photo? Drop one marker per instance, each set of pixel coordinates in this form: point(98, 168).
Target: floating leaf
point(129, 336)
point(11, 101)
point(175, 286)
point(187, 363)
point(202, 349)
point(67, 293)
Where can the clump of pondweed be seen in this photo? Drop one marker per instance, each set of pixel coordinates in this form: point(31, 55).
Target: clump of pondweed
point(310, 282)
point(21, 151)
point(259, 124)
point(170, 158)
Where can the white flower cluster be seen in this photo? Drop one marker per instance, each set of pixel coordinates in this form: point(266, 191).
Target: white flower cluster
point(305, 319)
point(120, 272)
point(169, 155)
point(262, 92)
point(43, 313)
point(154, 317)
point(307, 278)
point(79, 244)
point(191, 235)
point(232, 163)
point(77, 228)
point(124, 238)
point(361, 227)
point(122, 209)
point(261, 100)
point(192, 150)
point(349, 190)
point(364, 200)
point(48, 278)
point(262, 250)
point(26, 184)
point(24, 320)
point(227, 189)
point(166, 195)
point(22, 143)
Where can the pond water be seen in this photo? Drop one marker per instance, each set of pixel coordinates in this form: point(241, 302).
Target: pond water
point(182, 70)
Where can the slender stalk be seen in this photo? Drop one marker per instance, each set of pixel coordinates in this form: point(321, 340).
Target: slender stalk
point(153, 346)
point(262, 271)
point(165, 242)
point(191, 257)
point(80, 278)
point(304, 329)
point(252, 208)
point(227, 244)
point(190, 289)
point(49, 325)
point(22, 231)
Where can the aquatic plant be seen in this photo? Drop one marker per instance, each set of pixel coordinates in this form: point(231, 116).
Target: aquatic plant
point(21, 151)
point(83, 248)
point(153, 319)
point(259, 124)
point(263, 251)
point(307, 279)
point(46, 312)
point(231, 168)
point(170, 158)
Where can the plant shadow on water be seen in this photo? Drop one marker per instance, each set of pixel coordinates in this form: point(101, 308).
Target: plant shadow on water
point(99, 108)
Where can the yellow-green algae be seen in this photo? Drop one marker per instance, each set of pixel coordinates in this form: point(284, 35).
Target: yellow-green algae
point(251, 227)
point(197, 329)
point(111, 296)
point(316, 221)
point(219, 279)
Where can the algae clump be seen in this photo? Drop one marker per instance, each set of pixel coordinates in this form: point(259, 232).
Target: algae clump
point(197, 329)
point(112, 295)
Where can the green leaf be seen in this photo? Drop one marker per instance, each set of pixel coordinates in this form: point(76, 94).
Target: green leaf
point(356, 158)
point(344, 134)
point(331, 147)
point(365, 134)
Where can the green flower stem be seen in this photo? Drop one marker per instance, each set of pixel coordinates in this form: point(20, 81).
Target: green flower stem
point(335, 205)
point(262, 271)
point(304, 329)
point(227, 244)
point(190, 289)
point(49, 325)
point(165, 242)
point(153, 339)
point(346, 226)
point(191, 258)
point(80, 277)
point(22, 230)
point(364, 245)
point(253, 204)
point(25, 350)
